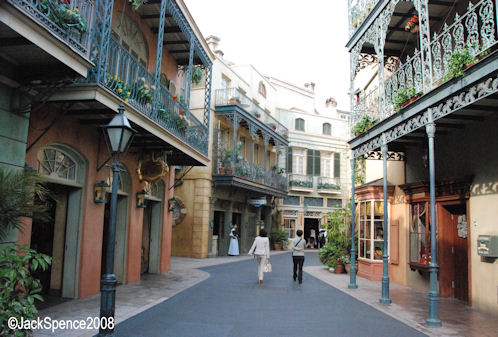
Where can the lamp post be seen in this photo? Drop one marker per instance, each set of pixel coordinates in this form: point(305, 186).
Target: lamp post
point(118, 134)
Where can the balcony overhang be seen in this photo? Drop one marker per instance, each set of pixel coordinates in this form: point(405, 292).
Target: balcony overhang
point(477, 85)
point(328, 191)
point(248, 118)
point(96, 105)
point(248, 185)
point(300, 189)
point(21, 37)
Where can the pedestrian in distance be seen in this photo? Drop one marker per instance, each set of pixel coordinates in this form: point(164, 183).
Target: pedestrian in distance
point(233, 250)
point(298, 245)
point(261, 250)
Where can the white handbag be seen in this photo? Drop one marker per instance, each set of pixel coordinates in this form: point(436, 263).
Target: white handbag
point(267, 268)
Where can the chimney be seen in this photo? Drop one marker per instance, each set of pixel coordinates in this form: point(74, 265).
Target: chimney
point(310, 86)
point(213, 42)
point(331, 102)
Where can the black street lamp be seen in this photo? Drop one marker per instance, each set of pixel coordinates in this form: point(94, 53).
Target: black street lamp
point(118, 134)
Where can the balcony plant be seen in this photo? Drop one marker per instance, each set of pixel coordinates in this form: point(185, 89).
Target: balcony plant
point(405, 96)
point(64, 17)
point(460, 60)
point(279, 239)
point(196, 75)
point(273, 126)
point(412, 25)
point(234, 100)
point(145, 92)
point(182, 123)
point(328, 186)
point(136, 4)
point(364, 124)
point(257, 114)
point(119, 87)
point(226, 159)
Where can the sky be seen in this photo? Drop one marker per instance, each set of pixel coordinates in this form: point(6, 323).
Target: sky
point(295, 41)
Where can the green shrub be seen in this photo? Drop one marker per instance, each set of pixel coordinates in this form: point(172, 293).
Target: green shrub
point(458, 61)
point(403, 95)
point(279, 237)
point(364, 124)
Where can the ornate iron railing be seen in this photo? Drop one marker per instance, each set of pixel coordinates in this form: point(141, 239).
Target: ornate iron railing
point(127, 78)
point(71, 20)
point(233, 96)
point(327, 183)
point(250, 171)
point(475, 31)
point(358, 11)
point(300, 180)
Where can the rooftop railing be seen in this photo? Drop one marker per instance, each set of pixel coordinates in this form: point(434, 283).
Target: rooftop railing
point(233, 96)
point(474, 33)
point(70, 20)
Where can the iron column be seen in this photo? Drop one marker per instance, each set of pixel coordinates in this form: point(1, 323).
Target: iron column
point(385, 258)
point(108, 281)
point(433, 319)
point(352, 274)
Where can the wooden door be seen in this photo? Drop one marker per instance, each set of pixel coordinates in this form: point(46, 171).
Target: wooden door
point(452, 251)
point(147, 220)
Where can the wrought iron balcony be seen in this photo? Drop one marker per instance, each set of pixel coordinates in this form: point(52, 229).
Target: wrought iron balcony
point(358, 11)
point(252, 173)
point(329, 185)
point(233, 96)
point(299, 182)
point(473, 33)
point(69, 20)
point(128, 79)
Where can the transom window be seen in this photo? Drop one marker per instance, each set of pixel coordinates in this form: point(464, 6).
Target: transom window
point(57, 164)
point(327, 129)
point(371, 229)
point(299, 124)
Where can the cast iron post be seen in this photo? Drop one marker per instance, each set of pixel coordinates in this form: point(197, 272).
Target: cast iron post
point(352, 274)
point(385, 258)
point(433, 319)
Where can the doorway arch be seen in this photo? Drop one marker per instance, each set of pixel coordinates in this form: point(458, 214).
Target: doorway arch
point(64, 169)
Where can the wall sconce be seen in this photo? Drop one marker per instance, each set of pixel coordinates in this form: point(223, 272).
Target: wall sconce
point(172, 204)
point(141, 199)
point(99, 192)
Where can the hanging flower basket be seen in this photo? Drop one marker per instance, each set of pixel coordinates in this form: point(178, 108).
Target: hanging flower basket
point(412, 25)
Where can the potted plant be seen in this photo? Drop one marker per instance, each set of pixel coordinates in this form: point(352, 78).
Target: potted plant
point(257, 114)
point(226, 162)
point(273, 126)
point(412, 25)
point(460, 60)
point(234, 100)
point(364, 124)
point(119, 87)
point(405, 96)
point(145, 92)
point(279, 239)
point(196, 75)
point(63, 16)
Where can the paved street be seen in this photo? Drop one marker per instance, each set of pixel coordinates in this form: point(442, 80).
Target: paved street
point(230, 303)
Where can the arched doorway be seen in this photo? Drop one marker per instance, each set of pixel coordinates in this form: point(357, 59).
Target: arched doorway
point(121, 234)
point(152, 228)
point(64, 170)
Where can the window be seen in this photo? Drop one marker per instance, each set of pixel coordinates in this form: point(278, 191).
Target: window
point(298, 159)
point(313, 163)
point(327, 165)
point(327, 129)
point(289, 227)
point(420, 235)
point(57, 164)
point(337, 165)
point(334, 203)
point(243, 147)
point(314, 202)
point(371, 229)
point(262, 89)
point(225, 82)
point(343, 116)
point(299, 124)
point(292, 200)
point(256, 154)
point(289, 160)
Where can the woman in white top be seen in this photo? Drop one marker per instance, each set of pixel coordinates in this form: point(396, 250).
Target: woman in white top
point(261, 249)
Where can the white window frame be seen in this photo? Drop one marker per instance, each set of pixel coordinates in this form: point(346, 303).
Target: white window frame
point(372, 239)
point(299, 161)
point(327, 162)
point(291, 232)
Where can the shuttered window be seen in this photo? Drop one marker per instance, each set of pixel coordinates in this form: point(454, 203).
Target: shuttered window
point(337, 165)
point(313, 163)
point(289, 160)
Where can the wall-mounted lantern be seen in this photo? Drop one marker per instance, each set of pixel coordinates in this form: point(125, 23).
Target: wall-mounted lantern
point(99, 192)
point(141, 199)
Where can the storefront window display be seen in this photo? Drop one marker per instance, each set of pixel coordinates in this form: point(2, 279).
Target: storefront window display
point(420, 244)
point(371, 229)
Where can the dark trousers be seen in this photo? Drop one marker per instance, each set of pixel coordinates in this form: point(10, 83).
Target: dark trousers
point(298, 264)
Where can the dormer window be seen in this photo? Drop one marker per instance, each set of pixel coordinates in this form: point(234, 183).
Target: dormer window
point(262, 89)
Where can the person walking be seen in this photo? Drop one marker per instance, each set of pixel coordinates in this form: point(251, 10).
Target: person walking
point(298, 245)
point(233, 250)
point(261, 249)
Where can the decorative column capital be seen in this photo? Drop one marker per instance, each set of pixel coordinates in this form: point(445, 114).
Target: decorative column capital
point(431, 129)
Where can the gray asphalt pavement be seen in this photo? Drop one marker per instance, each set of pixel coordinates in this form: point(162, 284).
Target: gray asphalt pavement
point(230, 303)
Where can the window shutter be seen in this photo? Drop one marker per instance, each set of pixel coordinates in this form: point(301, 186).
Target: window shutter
point(309, 162)
point(289, 160)
point(394, 242)
point(337, 165)
point(317, 163)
